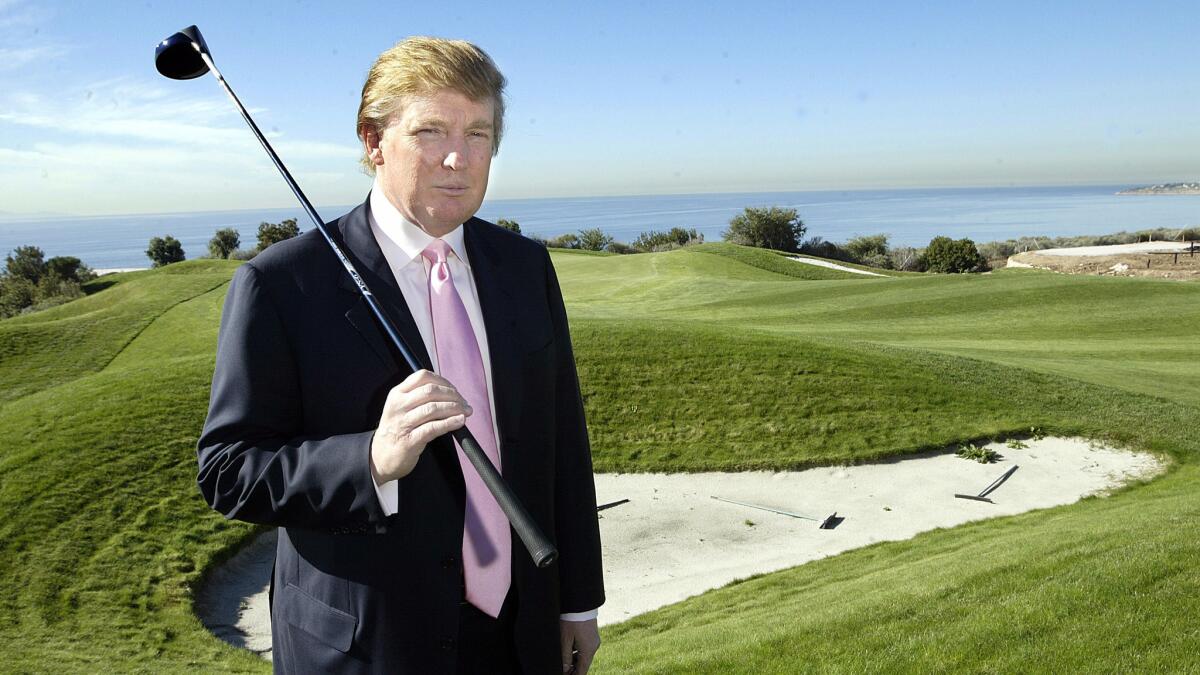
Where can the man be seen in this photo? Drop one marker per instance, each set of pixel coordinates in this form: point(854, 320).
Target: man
point(391, 557)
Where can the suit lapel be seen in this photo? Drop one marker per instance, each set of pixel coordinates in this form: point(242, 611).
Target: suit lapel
point(362, 249)
point(500, 322)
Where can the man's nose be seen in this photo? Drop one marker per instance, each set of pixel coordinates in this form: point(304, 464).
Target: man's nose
point(456, 155)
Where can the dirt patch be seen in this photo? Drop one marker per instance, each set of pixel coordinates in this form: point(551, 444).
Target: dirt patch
point(1122, 264)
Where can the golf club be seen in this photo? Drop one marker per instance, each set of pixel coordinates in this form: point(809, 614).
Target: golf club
point(185, 56)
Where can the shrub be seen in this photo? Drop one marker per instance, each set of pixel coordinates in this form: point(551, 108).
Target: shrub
point(16, 293)
point(863, 247)
point(224, 243)
point(243, 254)
point(273, 233)
point(878, 260)
point(26, 262)
point(620, 247)
point(164, 251)
point(774, 228)
point(906, 258)
point(510, 225)
point(662, 241)
point(594, 239)
point(69, 268)
point(952, 256)
point(568, 240)
point(997, 250)
point(820, 248)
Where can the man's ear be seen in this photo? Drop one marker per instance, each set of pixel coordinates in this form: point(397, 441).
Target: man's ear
point(371, 140)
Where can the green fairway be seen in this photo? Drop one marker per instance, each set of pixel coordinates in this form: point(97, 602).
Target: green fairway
point(706, 358)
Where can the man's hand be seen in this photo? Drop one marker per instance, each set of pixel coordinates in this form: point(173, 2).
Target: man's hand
point(418, 410)
point(579, 641)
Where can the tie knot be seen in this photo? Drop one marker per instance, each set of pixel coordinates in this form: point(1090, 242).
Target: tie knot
point(437, 251)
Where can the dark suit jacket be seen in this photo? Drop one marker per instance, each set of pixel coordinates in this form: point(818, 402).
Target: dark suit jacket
point(301, 376)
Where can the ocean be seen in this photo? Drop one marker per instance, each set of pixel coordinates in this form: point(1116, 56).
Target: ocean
point(909, 218)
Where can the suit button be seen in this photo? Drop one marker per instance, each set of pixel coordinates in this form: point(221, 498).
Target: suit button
point(450, 563)
point(447, 644)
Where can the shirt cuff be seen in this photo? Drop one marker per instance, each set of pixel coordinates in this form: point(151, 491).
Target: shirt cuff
point(580, 616)
point(389, 497)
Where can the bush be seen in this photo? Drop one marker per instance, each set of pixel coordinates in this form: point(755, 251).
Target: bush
point(594, 239)
point(952, 256)
point(26, 262)
point(510, 225)
point(664, 241)
point(69, 268)
point(620, 247)
point(273, 233)
point(863, 247)
point(16, 293)
point(878, 260)
point(906, 258)
point(224, 243)
point(164, 251)
point(243, 254)
point(774, 228)
point(997, 250)
point(816, 246)
point(568, 240)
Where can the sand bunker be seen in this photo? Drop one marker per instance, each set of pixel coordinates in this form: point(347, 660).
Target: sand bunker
point(672, 540)
point(835, 266)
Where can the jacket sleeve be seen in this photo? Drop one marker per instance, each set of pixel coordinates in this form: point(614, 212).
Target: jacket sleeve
point(581, 576)
point(254, 464)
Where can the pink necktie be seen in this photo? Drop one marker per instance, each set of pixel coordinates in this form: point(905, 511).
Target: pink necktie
point(487, 543)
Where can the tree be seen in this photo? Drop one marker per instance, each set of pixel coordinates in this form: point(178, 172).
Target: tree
point(273, 233)
point(165, 250)
point(952, 256)
point(594, 239)
point(224, 242)
point(774, 228)
point(26, 262)
point(69, 268)
point(510, 225)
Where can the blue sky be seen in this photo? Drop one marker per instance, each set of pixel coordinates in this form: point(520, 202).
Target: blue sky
point(606, 98)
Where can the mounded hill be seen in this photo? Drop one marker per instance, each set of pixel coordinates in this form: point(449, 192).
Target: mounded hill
point(690, 360)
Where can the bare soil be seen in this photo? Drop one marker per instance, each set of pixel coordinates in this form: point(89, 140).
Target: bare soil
point(1155, 265)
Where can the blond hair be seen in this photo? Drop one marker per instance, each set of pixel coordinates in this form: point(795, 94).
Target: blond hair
point(423, 65)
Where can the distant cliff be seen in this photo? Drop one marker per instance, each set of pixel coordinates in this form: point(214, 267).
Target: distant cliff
point(1165, 189)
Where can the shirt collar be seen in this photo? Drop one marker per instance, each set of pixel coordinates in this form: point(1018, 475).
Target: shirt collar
point(409, 238)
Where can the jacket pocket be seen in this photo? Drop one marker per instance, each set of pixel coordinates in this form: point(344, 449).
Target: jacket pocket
point(327, 624)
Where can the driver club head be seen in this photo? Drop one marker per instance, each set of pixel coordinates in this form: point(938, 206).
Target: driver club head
point(178, 56)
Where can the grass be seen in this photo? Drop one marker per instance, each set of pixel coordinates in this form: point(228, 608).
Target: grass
point(702, 358)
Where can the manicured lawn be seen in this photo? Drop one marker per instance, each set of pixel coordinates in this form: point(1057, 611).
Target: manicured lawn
point(713, 358)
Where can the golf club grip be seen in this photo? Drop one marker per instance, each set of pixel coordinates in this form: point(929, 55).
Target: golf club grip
point(540, 548)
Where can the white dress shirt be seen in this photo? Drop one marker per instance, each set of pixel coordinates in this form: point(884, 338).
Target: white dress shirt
point(402, 243)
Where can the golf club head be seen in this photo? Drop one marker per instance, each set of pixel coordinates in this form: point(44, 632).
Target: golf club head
point(178, 56)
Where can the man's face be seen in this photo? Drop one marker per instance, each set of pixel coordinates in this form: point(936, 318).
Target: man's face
point(433, 158)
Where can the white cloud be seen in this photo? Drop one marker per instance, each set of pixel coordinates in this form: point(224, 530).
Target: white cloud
point(129, 146)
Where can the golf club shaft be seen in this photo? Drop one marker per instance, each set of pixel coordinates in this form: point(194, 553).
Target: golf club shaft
point(539, 547)
point(766, 508)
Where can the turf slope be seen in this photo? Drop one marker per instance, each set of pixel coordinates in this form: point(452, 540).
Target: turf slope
point(714, 358)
